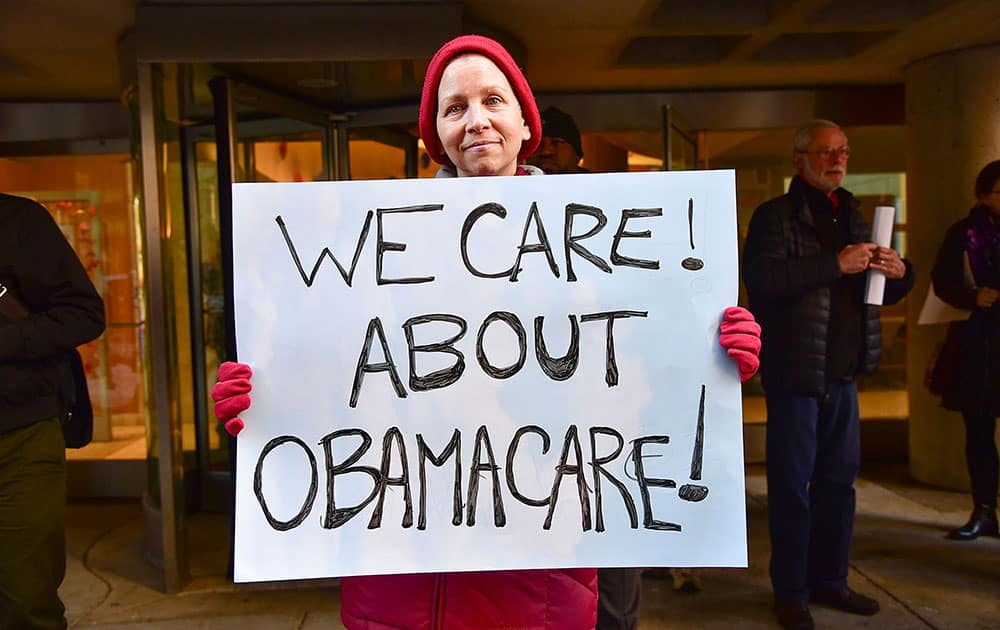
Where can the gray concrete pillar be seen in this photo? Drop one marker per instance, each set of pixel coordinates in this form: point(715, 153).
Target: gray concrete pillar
point(952, 131)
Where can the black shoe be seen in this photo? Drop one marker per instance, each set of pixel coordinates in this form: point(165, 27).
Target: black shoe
point(983, 522)
point(793, 614)
point(846, 600)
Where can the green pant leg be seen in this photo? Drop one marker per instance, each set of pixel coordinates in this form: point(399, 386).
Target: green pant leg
point(32, 526)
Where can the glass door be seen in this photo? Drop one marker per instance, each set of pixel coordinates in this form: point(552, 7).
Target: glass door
point(255, 136)
point(89, 195)
point(383, 152)
point(680, 144)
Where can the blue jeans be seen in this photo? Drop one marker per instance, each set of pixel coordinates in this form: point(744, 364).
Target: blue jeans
point(813, 457)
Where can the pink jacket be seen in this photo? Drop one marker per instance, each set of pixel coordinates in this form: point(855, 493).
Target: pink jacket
point(545, 599)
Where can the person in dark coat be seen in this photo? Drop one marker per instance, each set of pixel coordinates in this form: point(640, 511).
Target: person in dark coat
point(48, 307)
point(966, 275)
point(803, 265)
point(561, 148)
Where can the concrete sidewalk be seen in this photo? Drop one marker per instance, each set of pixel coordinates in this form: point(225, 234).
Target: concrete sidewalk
point(901, 557)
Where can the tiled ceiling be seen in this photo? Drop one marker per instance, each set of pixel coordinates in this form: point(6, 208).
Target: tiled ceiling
point(803, 47)
point(720, 44)
point(678, 50)
point(68, 50)
point(874, 11)
point(712, 14)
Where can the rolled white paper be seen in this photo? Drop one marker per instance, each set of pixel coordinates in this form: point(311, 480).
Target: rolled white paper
point(885, 217)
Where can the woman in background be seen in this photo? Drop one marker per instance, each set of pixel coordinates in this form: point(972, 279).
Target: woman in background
point(966, 275)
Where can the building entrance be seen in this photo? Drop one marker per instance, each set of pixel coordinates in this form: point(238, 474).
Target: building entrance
point(90, 196)
point(207, 131)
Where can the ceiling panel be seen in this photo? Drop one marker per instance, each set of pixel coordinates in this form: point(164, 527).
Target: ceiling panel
point(685, 50)
point(68, 50)
point(711, 14)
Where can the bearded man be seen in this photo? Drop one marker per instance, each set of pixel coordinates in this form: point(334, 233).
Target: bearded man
point(803, 266)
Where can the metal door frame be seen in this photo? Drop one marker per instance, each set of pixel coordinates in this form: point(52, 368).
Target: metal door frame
point(214, 487)
point(674, 121)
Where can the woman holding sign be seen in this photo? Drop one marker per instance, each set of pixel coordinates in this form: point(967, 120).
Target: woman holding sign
point(967, 276)
point(478, 117)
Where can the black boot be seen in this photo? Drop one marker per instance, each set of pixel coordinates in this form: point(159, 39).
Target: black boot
point(983, 522)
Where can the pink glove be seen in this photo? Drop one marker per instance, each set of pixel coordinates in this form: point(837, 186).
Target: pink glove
point(739, 334)
point(232, 395)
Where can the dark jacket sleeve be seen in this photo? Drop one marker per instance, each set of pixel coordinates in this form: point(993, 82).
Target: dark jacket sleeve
point(948, 274)
point(49, 280)
point(896, 290)
point(768, 270)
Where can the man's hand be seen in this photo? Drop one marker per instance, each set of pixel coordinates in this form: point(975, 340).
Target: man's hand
point(986, 297)
point(888, 262)
point(855, 258)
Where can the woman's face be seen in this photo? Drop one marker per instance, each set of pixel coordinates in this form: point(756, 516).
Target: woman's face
point(479, 120)
point(992, 197)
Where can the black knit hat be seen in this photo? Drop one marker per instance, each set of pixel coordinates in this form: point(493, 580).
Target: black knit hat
point(558, 124)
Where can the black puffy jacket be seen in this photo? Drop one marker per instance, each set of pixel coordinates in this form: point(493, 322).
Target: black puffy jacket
point(788, 279)
point(38, 266)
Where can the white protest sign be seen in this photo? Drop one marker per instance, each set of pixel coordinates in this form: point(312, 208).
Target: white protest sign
point(503, 373)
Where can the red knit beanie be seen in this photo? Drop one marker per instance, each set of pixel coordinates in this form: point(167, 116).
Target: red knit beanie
point(492, 50)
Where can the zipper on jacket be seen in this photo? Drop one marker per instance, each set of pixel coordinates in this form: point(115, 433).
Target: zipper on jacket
point(438, 603)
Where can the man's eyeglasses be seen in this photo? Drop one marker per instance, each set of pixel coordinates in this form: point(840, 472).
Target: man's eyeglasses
point(828, 153)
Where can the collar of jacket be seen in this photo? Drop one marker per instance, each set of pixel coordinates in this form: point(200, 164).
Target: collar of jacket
point(522, 169)
point(797, 190)
point(982, 245)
